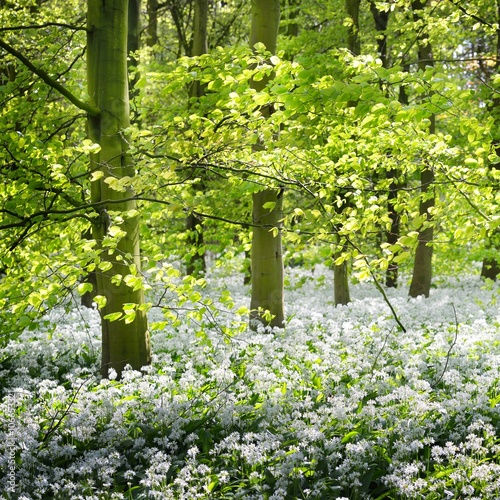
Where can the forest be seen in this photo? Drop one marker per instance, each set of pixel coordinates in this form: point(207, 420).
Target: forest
point(249, 249)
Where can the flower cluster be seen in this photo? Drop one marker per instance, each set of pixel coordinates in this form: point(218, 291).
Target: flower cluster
point(338, 404)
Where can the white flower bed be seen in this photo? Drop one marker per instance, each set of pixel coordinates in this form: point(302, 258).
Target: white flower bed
point(340, 403)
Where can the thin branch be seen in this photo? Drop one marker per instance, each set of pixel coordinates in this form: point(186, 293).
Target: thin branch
point(473, 16)
point(44, 25)
point(54, 425)
point(379, 287)
point(449, 350)
point(93, 111)
point(222, 219)
point(374, 364)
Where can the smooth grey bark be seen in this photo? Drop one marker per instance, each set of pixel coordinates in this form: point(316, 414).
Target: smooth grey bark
point(196, 263)
point(353, 40)
point(266, 256)
point(107, 78)
point(341, 291)
point(133, 41)
point(491, 264)
point(422, 265)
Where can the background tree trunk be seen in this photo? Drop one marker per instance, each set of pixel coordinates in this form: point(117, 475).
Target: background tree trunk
point(353, 41)
point(152, 28)
point(422, 266)
point(491, 264)
point(133, 41)
point(87, 299)
point(122, 343)
point(196, 263)
point(266, 257)
point(341, 292)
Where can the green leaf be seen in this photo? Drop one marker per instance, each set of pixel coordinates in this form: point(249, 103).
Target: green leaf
point(116, 232)
point(113, 316)
point(100, 300)
point(275, 60)
point(269, 205)
point(89, 147)
point(130, 317)
point(99, 174)
point(401, 257)
point(349, 437)
point(83, 288)
point(105, 265)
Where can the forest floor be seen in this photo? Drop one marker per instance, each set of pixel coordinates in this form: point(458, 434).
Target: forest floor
point(339, 404)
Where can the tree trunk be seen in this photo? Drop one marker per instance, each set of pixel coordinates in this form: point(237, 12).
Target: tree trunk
point(292, 29)
point(341, 292)
point(266, 256)
point(490, 268)
point(87, 299)
point(392, 236)
point(122, 342)
point(381, 19)
point(267, 259)
point(422, 267)
point(196, 262)
point(133, 41)
point(152, 28)
point(353, 41)
point(491, 264)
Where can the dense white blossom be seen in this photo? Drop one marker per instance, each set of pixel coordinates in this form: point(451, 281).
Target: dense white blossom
point(315, 408)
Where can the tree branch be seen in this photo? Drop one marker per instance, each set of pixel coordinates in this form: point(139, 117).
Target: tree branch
point(44, 25)
point(473, 16)
point(85, 106)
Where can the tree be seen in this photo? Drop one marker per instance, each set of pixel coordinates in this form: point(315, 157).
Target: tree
point(381, 20)
point(116, 226)
point(340, 269)
point(133, 41)
point(112, 207)
point(422, 267)
point(196, 258)
point(353, 41)
point(491, 263)
point(267, 255)
point(152, 26)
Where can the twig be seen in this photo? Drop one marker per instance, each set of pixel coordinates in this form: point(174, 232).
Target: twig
point(449, 350)
point(374, 364)
point(44, 25)
point(92, 110)
point(55, 425)
point(379, 287)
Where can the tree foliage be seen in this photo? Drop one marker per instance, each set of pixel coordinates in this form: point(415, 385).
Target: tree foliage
point(338, 134)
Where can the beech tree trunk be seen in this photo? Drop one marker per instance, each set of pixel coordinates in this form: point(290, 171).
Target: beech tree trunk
point(491, 264)
point(341, 292)
point(381, 20)
point(422, 266)
point(353, 41)
point(133, 41)
point(122, 343)
point(490, 268)
point(196, 263)
point(266, 257)
point(152, 28)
